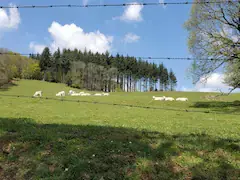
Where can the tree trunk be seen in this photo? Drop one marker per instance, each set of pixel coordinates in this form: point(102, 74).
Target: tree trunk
point(122, 82)
point(130, 83)
point(117, 79)
point(141, 85)
point(127, 82)
point(44, 75)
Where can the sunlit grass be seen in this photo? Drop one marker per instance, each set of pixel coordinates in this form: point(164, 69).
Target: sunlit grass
point(48, 139)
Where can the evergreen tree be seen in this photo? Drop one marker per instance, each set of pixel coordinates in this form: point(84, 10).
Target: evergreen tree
point(95, 71)
point(161, 76)
point(165, 79)
point(45, 61)
point(172, 80)
point(57, 65)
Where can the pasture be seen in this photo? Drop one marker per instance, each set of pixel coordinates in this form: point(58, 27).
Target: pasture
point(100, 138)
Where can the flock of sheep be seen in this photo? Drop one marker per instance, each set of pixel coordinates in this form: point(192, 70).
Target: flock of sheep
point(168, 99)
point(71, 93)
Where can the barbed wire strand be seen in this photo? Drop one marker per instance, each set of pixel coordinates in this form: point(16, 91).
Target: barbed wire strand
point(138, 57)
point(117, 5)
point(123, 105)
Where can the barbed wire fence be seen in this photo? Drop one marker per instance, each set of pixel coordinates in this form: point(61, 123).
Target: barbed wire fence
point(117, 4)
point(138, 57)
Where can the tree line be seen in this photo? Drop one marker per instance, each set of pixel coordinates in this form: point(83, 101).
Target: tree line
point(104, 72)
point(16, 66)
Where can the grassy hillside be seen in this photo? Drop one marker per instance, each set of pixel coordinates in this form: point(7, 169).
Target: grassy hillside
point(49, 139)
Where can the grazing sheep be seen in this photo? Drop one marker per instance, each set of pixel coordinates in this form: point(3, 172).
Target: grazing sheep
point(62, 93)
point(71, 92)
point(85, 94)
point(169, 99)
point(75, 94)
point(37, 93)
point(97, 94)
point(159, 98)
point(182, 99)
point(105, 94)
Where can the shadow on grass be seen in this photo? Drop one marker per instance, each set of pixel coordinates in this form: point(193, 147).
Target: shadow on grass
point(58, 151)
point(218, 106)
point(8, 86)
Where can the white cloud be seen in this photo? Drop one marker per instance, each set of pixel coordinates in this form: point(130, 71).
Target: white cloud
point(228, 32)
point(131, 38)
point(9, 20)
point(36, 48)
point(214, 83)
point(131, 13)
point(71, 36)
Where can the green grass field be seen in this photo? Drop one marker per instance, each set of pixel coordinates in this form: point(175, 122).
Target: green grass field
point(53, 139)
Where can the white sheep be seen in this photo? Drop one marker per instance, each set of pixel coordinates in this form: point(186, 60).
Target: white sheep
point(71, 92)
point(85, 94)
point(169, 99)
point(75, 94)
point(182, 99)
point(159, 98)
point(62, 93)
point(37, 93)
point(97, 94)
point(105, 94)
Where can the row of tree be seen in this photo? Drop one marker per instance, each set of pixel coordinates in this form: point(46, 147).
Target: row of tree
point(103, 72)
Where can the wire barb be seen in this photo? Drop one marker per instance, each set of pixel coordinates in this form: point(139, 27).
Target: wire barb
point(118, 5)
point(138, 57)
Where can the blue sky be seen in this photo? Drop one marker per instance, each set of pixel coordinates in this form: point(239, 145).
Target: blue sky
point(148, 31)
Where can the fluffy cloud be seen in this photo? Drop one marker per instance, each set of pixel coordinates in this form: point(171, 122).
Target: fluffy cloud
point(71, 36)
point(214, 83)
point(132, 13)
point(131, 38)
point(9, 20)
point(36, 48)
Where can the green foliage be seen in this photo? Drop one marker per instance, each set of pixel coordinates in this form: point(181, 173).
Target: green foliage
point(165, 79)
point(3, 73)
point(45, 62)
point(13, 71)
point(32, 71)
point(172, 80)
point(232, 74)
point(12, 66)
point(45, 59)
